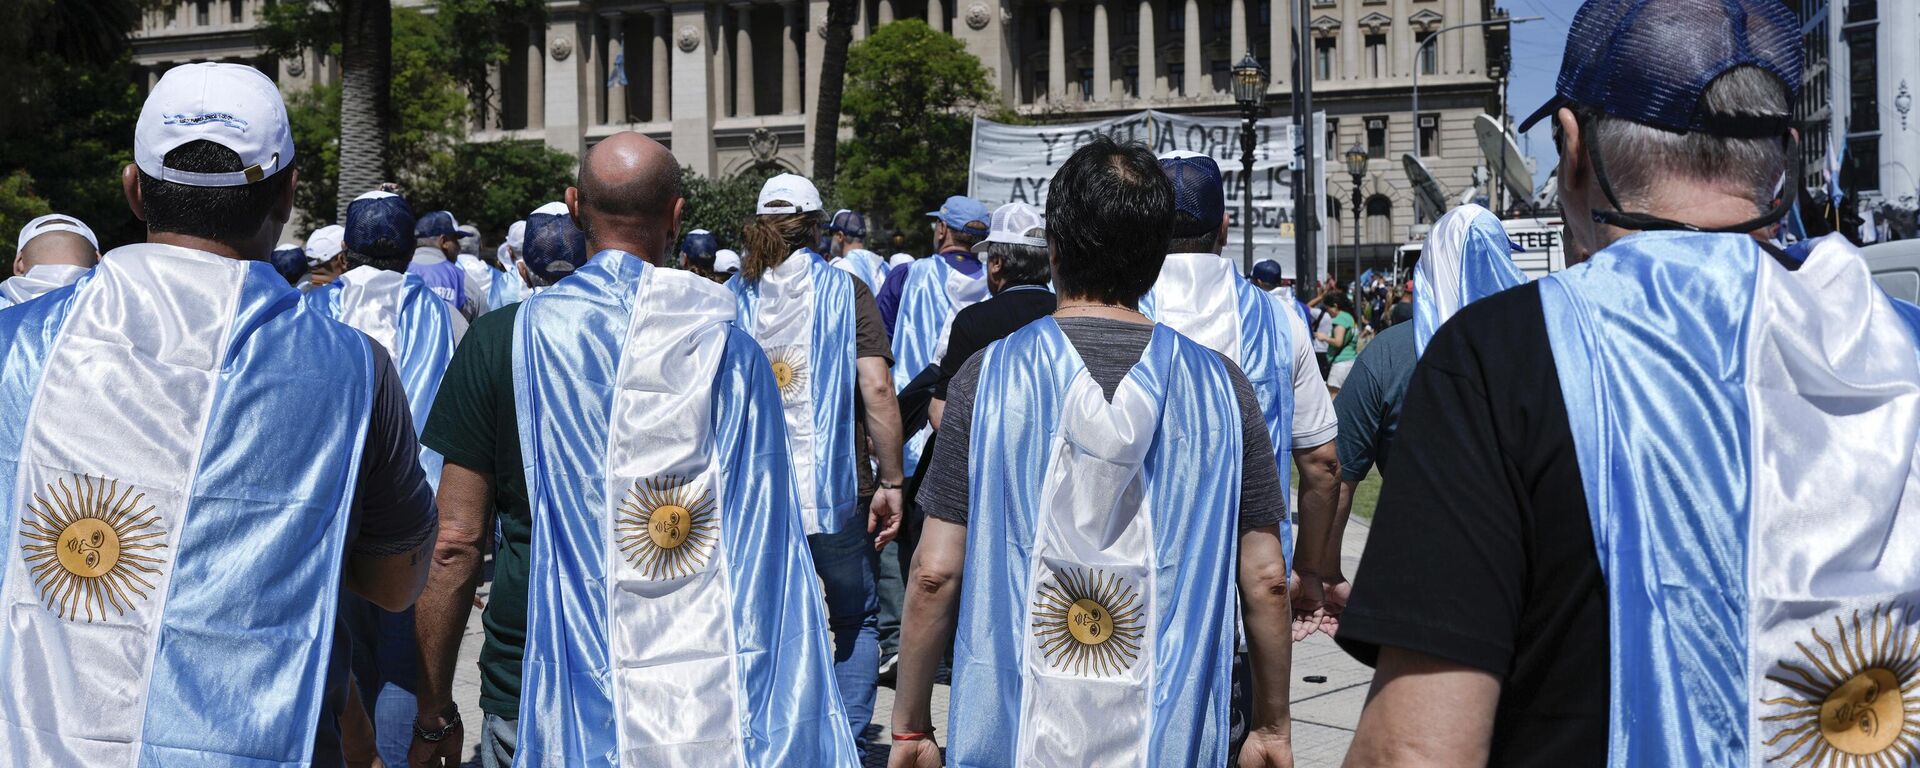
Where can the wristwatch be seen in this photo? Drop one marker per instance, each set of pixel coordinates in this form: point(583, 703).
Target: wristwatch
point(452, 716)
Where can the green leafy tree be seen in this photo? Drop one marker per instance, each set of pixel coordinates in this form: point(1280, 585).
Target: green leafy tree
point(911, 95)
point(492, 184)
point(18, 205)
point(430, 106)
point(313, 115)
point(480, 31)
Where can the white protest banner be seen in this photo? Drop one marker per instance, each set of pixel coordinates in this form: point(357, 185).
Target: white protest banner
point(1014, 163)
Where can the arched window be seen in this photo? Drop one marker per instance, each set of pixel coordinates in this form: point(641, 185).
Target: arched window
point(1379, 219)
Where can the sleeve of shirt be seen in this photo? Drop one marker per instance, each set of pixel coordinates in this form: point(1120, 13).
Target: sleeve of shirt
point(870, 332)
point(394, 504)
point(889, 298)
point(1359, 409)
point(1262, 499)
point(1314, 422)
point(945, 493)
point(1450, 516)
point(461, 425)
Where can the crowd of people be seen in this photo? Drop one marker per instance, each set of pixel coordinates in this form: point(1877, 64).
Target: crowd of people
point(1072, 463)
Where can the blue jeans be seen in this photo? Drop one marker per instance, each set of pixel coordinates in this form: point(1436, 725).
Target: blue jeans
point(497, 736)
point(893, 594)
point(386, 668)
point(844, 562)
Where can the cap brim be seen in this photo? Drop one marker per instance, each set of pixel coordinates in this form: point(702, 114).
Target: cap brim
point(1553, 105)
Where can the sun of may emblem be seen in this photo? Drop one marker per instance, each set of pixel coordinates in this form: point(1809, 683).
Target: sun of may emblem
point(789, 371)
point(666, 527)
point(1854, 705)
point(90, 546)
point(1088, 622)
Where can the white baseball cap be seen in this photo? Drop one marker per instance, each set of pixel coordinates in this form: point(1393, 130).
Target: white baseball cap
point(326, 243)
point(232, 105)
point(1010, 225)
point(899, 259)
point(517, 235)
point(725, 260)
point(799, 193)
point(54, 222)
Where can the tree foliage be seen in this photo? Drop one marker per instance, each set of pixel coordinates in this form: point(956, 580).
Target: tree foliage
point(910, 98)
point(482, 33)
point(492, 184)
point(18, 205)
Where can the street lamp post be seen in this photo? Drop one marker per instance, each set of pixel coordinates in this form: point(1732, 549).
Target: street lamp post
point(1421, 49)
point(1250, 92)
point(1357, 168)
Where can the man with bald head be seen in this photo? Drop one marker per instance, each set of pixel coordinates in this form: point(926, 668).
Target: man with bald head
point(53, 251)
point(668, 555)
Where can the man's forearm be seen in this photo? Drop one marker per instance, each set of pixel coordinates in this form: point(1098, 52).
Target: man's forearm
point(440, 616)
point(1330, 555)
point(1319, 469)
point(933, 598)
point(883, 417)
point(1266, 613)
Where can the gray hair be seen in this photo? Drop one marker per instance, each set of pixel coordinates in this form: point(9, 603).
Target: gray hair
point(427, 242)
point(1639, 159)
point(1023, 264)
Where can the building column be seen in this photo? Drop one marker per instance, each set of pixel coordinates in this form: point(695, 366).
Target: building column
point(1057, 52)
point(691, 95)
point(1102, 54)
point(743, 61)
point(589, 68)
point(495, 99)
point(790, 34)
point(1149, 80)
point(1190, 55)
point(1236, 31)
point(1280, 46)
point(885, 13)
point(662, 79)
point(616, 63)
point(537, 78)
point(937, 15)
point(562, 89)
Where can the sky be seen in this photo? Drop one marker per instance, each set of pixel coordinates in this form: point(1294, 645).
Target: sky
point(1537, 46)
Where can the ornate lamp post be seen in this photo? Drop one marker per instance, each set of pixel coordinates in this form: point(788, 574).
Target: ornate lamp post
point(1357, 168)
point(1250, 92)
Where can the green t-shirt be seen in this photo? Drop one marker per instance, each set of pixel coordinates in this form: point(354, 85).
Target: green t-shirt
point(474, 424)
point(1347, 351)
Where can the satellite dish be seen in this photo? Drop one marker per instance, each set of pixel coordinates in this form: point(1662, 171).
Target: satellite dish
point(1429, 200)
point(1548, 197)
point(1503, 156)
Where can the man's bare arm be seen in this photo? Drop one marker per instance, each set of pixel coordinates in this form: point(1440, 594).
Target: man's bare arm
point(933, 601)
point(390, 581)
point(1424, 711)
point(883, 433)
point(1319, 469)
point(1265, 611)
point(440, 618)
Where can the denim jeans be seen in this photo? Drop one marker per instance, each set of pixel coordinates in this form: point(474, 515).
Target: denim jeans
point(892, 590)
point(497, 736)
point(386, 668)
point(845, 564)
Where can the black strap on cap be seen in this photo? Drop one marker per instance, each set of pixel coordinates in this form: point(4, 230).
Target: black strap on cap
point(1642, 222)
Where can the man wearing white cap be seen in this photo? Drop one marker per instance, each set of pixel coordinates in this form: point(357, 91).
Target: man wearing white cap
point(53, 251)
point(171, 599)
point(822, 331)
point(509, 283)
point(326, 256)
point(726, 261)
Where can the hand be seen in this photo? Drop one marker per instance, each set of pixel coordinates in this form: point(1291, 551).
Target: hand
point(1307, 596)
point(444, 753)
point(1336, 588)
point(1268, 748)
point(916, 754)
point(883, 516)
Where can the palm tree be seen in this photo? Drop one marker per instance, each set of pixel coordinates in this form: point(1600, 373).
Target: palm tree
point(366, 108)
point(833, 79)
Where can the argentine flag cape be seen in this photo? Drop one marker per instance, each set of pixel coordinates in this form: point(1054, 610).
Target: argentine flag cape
point(1201, 296)
point(673, 616)
point(1467, 258)
point(1746, 437)
point(171, 556)
point(933, 293)
point(801, 313)
point(39, 280)
point(1097, 619)
point(866, 265)
point(415, 327)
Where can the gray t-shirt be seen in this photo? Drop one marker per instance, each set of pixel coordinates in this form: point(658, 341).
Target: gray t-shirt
point(1109, 348)
point(1369, 404)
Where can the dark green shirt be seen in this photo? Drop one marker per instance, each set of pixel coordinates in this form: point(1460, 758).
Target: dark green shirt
point(474, 424)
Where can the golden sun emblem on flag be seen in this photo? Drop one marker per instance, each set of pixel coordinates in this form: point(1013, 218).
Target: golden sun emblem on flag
point(91, 546)
point(1088, 621)
point(789, 371)
point(666, 527)
point(1857, 707)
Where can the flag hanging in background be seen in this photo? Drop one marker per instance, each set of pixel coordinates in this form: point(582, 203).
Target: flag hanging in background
point(617, 74)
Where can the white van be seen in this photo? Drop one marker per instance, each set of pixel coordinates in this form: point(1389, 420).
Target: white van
point(1543, 238)
point(1896, 268)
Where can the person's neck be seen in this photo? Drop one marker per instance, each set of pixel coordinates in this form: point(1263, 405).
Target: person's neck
point(1705, 207)
point(640, 251)
point(1083, 306)
point(235, 251)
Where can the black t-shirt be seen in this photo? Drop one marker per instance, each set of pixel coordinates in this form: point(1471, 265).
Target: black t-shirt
point(989, 321)
point(1481, 551)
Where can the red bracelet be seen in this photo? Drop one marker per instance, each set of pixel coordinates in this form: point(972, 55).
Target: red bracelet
point(926, 735)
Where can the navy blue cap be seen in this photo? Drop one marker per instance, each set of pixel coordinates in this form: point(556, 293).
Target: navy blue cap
point(438, 224)
point(289, 260)
point(962, 213)
point(380, 226)
point(1199, 192)
point(699, 246)
point(554, 246)
point(1268, 271)
point(1650, 61)
point(849, 223)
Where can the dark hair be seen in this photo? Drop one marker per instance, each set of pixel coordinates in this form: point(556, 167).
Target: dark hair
point(215, 213)
point(389, 263)
point(1023, 264)
point(964, 238)
point(770, 238)
point(1195, 244)
point(1110, 214)
point(1339, 301)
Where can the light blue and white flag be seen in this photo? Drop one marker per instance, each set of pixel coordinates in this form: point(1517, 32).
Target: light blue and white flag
point(507, 284)
point(37, 282)
point(1747, 445)
point(801, 312)
point(1467, 258)
point(866, 265)
point(1097, 620)
point(1205, 299)
point(404, 317)
point(933, 293)
point(172, 552)
point(673, 616)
